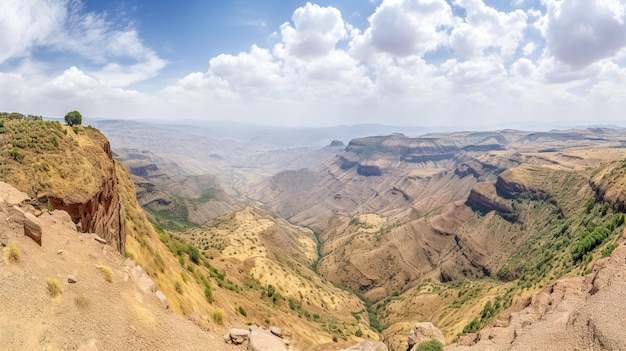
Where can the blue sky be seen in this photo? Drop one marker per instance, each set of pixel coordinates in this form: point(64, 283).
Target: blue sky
point(461, 64)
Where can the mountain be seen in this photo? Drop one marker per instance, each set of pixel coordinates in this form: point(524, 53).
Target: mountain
point(503, 240)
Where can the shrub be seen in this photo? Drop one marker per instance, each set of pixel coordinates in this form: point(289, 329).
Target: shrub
point(16, 154)
point(12, 253)
point(218, 316)
point(178, 287)
point(430, 345)
point(53, 287)
point(107, 273)
point(472, 327)
point(242, 311)
point(73, 118)
point(609, 250)
point(208, 293)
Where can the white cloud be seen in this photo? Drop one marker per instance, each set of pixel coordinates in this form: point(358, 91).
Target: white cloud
point(484, 27)
point(405, 27)
point(317, 30)
point(25, 24)
point(63, 27)
point(580, 32)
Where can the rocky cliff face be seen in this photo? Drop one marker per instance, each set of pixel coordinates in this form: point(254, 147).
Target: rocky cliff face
point(101, 212)
point(484, 198)
point(67, 169)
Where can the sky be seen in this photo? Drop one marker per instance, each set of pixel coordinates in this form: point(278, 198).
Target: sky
point(464, 64)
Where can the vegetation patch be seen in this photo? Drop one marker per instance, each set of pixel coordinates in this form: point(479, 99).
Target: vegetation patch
point(430, 345)
point(53, 287)
point(218, 316)
point(106, 271)
point(12, 253)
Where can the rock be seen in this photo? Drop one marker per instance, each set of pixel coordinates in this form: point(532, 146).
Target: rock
point(277, 331)
point(369, 171)
point(367, 345)
point(71, 279)
point(424, 331)
point(467, 339)
point(60, 252)
point(261, 340)
point(159, 294)
point(239, 336)
point(4, 241)
point(99, 239)
point(64, 218)
point(11, 195)
point(32, 228)
point(141, 278)
point(16, 215)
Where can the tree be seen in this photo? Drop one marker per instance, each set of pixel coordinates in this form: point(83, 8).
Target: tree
point(73, 118)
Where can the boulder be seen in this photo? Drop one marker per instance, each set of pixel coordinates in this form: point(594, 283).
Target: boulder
point(32, 227)
point(16, 215)
point(367, 345)
point(238, 336)
point(141, 278)
point(424, 331)
point(261, 340)
point(11, 195)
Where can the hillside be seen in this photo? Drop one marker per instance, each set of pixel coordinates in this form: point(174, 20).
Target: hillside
point(72, 292)
point(215, 291)
point(433, 228)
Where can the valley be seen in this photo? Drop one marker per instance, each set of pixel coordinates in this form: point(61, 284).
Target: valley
point(339, 243)
point(433, 227)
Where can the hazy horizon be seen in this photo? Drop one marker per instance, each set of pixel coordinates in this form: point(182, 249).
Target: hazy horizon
point(445, 64)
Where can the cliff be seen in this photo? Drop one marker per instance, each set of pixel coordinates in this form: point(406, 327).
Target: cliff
point(483, 197)
point(67, 169)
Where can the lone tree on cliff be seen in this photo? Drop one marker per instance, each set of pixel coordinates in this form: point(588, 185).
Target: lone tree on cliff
point(73, 118)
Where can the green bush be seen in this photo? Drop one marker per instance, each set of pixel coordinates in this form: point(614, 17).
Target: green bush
point(430, 345)
point(242, 311)
point(73, 118)
point(16, 154)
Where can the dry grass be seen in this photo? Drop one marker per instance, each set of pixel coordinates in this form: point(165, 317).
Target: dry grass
point(106, 271)
point(81, 301)
point(53, 287)
point(12, 253)
point(41, 158)
point(218, 316)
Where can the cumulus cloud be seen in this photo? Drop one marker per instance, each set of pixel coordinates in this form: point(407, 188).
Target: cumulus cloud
point(580, 32)
point(484, 27)
point(406, 27)
point(315, 33)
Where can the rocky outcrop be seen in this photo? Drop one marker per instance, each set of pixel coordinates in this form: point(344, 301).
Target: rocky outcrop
point(369, 171)
point(573, 313)
point(32, 227)
point(610, 185)
point(101, 211)
point(258, 339)
point(424, 331)
point(484, 198)
point(337, 143)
